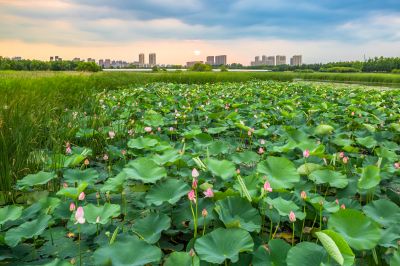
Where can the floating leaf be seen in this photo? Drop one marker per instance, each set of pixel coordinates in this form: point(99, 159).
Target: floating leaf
point(361, 232)
point(383, 212)
point(169, 191)
point(238, 212)
point(129, 250)
point(272, 255)
point(222, 244)
point(142, 143)
point(223, 169)
point(333, 178)
point(39, 178)
point(280, 172)
point(181, 259)
point(306, 253)
point(10, 213)
point(145, 170)
point(150, 227)
point(370, 177)
point(104, 212)
point(26, 230)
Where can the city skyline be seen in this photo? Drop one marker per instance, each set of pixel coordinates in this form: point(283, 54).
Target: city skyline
point(193, 29)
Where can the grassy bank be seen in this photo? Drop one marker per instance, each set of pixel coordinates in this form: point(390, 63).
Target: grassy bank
point(32, 105)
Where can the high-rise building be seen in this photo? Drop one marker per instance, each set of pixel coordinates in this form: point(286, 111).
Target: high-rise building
point(220, 60)
point(101, 63)
point(257, 60)
point(152, 59)
point(280, 60)
point(76, 59)
point(296, 60)
point(270, 61)
point(107, 63)
point(210, 60)
point(141, 59)
point(51, 59)
point(91, 60)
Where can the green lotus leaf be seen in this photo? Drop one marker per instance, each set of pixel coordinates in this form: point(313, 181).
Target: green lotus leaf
point(150, 227)
point(275, 255)
point(370, 128)
point(168, 156)
point(26, 230)
point(10, 213)
point(284, 207)
point(73, 176)
point(114, 184)
point(216, 130)
point(308, 168)
point(306, 253)
point(245, 157)
point(395, 260)
point(39, 178)
point(222, 244)
point(370, 177)
point(383, 211)
point(129, 250)
point(368, 142)
point(238, 212)
point(169, 191)
point(336, 247)
point(181, 259)
point(72, 192)
point(142, 143)
point(104, 212)
point(360, 231)
point(218, 147)
point(280, 172)
point(323, 130)
point(203, 139)
point(223, 169)
point(145, 170)
point(153, 119)
point(333, 178)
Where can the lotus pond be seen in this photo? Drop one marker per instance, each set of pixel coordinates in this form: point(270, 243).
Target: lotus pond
point(254, 173)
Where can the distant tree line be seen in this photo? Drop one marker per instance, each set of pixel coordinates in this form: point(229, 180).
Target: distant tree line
point(37, 65)
point(377, 64)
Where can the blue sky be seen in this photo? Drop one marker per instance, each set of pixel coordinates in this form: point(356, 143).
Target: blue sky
point(323, 30)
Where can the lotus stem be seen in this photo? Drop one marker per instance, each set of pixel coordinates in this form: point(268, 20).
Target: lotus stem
point(292, 234)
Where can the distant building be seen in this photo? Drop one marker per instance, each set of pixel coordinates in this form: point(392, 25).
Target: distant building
point(296, 60)
point(51, 59)
point(141, 59)
point(192, 63)
point(257, 60)
point(280, 60)
point(152, 59)
point(265, 60)
point(270, 61)
point(107, 63)
point(210, 60)
point(76, 59)
point(101, 63)
point(220, 60)
point(16, 58)
point(90, 60)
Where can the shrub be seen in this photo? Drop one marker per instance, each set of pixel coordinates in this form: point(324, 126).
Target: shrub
point(396, 71)
point(340, 69)
point(199, 67)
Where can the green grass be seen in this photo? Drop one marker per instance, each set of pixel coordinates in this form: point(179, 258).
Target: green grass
point(32, 105)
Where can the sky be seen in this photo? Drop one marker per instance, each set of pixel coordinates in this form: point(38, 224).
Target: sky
point(187, 30)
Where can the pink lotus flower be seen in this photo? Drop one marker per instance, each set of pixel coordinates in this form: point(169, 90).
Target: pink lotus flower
point(192, 253)
point(80, 216)
point(98, 219)
point(267, 187)
point(105, 157)
point(238, 171)
point(159, 129)
point(337, 201)
point(123, 152)
point(65, 185)
point(204, 213)
point(86, 162)
point(68, 150)
point(148, 129)
point(292, 217)
point(303, 195)
point(262, 141)
point(345, 159)
point(171, 129)
point(97, 195)
point(192, 196)
point(111, 134)
point(343, 206)
point(249, 133)
point(260, 150)
point(352, 113)
point(194, 183)
point(397, 165)
point(341, 154)
point(72, 207)
point(81, 196)
point(306, 153)
point(130, 132)
point(195, 173)
point(209, 193)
